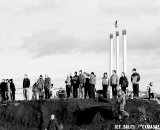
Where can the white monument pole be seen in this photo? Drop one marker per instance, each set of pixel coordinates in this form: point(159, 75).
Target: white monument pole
point(124, 50)
point(117, 52)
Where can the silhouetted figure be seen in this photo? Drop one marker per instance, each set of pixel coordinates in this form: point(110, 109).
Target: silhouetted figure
point(92, 83)
point(105, 84)
point(26, 85)
point(114, 82)
point(68, 86)
point(150, 90)
point(47, 87)
point(135, 78)
point(3, 89)
point(40, 87)
point(81, 81)
point(123, 82)
point(13, 89)
point(86, 87)
point(75, 85)
point(8, 90)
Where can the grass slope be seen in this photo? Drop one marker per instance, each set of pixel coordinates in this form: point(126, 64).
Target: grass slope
point(76, 114)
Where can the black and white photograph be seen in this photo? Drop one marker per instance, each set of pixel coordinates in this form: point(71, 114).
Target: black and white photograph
point(80, 65)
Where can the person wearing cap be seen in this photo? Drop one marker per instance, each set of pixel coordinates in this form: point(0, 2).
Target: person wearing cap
point(123, 82)
point(121, 101)
point(92, 83)
point(150, 90)
point(114, 82)
point(105, 84)
point(26, 85)
point(53, 124)
point(135, 78)
point(40, 87)
point(82, 81)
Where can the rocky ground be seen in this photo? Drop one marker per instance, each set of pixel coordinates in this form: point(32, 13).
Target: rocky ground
point(76, 114)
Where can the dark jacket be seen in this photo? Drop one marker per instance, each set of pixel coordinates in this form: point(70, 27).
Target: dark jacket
point(12, 86)
point(26, 83)
point(123, 81)
point(47, 83)
point(3, 86)
point(75, 80)
point(53, 125)
point(135, 78)
point(87, 82)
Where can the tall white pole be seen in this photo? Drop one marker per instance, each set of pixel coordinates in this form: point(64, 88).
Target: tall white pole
point(124, 51)
point(111, 54)
point(117, 52)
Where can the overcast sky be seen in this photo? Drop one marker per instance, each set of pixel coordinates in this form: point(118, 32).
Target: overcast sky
point(57, 37)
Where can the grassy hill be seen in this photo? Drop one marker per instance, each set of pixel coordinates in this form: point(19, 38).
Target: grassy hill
point(76, 114)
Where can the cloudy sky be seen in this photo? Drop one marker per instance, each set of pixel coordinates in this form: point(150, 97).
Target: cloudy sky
point(57, 37)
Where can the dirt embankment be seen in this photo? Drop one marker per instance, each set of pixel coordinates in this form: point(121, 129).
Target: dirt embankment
point(75, 114)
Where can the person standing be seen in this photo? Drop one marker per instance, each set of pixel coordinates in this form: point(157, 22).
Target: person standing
point(40, 86)
point(34, 91)
point(13, 89)
point(150, 90)
point(123, 82)
point(75, 85)
point(105, 84)
point(26, 85)
point(92, 83)
point(81, 84)
point(68, 86)
point(47, 86)
point(86, 88)
point(8, 90)
point(3, 89)
point(114, 82)
point(135, 78)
